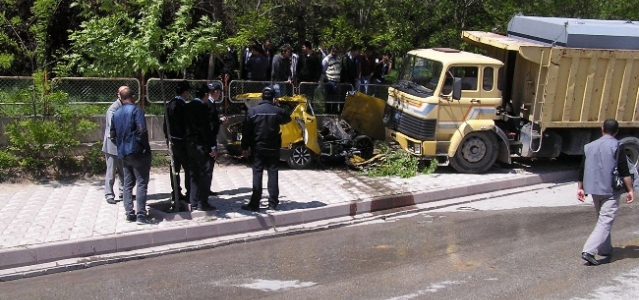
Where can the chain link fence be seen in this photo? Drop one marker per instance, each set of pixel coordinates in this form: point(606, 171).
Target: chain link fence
point(239, 87)
point(326, 98)
point(16, 95)
point(93, 90)
point(15, 90)
point(376, 90)
point(154, 89)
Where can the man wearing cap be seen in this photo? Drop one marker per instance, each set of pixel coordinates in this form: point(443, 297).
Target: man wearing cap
point(262, 140)
point(201, 148)
point(113, 163)
point(175, 117)
point(215, 92)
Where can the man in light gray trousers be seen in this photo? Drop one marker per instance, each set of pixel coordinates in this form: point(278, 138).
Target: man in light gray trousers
point(595, 178)
point(113, 163)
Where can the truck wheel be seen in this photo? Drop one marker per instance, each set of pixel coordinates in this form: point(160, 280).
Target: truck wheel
point(476, 154)
point(632, 148)
point(365, 145)
point(301, 157)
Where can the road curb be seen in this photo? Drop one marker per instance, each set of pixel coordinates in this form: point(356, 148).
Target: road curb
point(19, 257)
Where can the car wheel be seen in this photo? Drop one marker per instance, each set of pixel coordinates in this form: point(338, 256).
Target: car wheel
point(365, 145)
point(301, 158)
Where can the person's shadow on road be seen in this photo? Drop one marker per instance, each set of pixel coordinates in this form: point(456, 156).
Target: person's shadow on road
point(621, 253)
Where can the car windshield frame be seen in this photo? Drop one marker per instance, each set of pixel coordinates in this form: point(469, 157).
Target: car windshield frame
point(421, 71)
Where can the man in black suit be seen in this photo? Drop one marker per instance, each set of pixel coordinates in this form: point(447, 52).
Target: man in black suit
point(174, 119)
point(201, 148)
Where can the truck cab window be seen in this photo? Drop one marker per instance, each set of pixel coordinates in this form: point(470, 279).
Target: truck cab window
point(489, 78)
point(468, 75)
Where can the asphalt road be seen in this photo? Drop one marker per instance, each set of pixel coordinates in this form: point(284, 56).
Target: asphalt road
point(521, 253)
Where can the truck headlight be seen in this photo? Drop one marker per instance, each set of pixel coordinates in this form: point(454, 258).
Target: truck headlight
point(418, 148)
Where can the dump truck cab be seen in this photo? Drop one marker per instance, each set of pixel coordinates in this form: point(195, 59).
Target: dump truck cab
point(444, 105)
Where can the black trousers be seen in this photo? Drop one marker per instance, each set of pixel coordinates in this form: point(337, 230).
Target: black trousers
point(180, 158)
point(200, 173)
point(269, 162)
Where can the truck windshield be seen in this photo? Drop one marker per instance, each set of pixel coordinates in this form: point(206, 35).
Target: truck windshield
point(421, 71)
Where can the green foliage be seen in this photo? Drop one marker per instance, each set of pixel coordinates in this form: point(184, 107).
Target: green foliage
point(160, 159)
point(93, 160)
point(396, 163)
point(399, 163)
point(45, 141)
point(121, 42)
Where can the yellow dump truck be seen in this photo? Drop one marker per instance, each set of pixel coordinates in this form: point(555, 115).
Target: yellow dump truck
point(519, 98)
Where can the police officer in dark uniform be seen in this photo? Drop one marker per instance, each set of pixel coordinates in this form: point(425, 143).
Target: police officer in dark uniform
point(215, 92)
point(261, 136)
point(175, 117)
point(201, 147)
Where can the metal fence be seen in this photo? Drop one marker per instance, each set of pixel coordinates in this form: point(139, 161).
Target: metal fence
point(326, 98)
point(15, 90)
point(93, 90)
point(376, 90)
point(239, 87)
point(154, 89)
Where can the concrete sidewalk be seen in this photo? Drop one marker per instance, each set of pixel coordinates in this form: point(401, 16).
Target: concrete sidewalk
point(45, 222)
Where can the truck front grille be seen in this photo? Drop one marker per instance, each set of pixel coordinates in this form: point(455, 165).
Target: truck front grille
point(421, 129)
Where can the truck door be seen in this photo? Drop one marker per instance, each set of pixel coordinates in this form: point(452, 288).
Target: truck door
point(453, 113)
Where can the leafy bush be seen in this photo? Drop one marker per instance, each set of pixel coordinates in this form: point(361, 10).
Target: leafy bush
point(399, 163)
point(46, 140)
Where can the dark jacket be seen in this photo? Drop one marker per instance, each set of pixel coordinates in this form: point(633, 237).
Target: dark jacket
point(281, 68)
point(350, 69)
point(256, 67)
point(309, 68)
point(214, 119)
point(128, 131)
point(198, 124)
point(261, 128)
point(175, 114)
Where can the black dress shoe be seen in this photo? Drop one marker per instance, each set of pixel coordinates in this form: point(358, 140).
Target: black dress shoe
point(110, 200)
point(272, 207)
point(131, 218)
point(212, 193)
point(182, 197)
point(143, 220)
point(250, 208)
point(589, 258)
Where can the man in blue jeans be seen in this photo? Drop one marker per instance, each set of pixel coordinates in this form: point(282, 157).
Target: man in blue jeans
point(129, 133)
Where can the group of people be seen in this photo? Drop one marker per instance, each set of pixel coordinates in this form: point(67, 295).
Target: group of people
point(191, 131)
point(261, 64)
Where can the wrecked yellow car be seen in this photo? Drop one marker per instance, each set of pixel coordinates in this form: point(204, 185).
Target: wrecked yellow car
point(303, 142)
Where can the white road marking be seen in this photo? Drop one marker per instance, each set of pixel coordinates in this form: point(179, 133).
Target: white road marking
point(624, 286)
point(433, 288)
point(276, 285)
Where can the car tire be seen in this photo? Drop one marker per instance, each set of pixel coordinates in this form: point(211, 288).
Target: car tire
point(365, 145)
point(301, 157)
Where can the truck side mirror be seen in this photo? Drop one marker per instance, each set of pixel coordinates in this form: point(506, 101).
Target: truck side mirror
point(457, 88)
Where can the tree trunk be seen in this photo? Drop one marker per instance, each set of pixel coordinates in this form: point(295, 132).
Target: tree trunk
point(217, 17)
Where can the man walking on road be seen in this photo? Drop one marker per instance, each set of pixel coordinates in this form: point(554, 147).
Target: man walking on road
point(595, 178)
point(113, 163)
point(129, 133)
point(261, 136)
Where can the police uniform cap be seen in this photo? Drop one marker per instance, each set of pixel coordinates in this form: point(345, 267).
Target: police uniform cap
point(214, 86)
point(268, 93)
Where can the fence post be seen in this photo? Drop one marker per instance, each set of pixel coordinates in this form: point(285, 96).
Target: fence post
point(142, 96)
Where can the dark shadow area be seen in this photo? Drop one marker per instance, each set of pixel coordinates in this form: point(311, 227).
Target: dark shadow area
point(158, 196)
point(234, 191)
point(621, 253)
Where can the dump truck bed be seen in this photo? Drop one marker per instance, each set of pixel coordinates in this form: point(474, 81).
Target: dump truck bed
point(558, 87)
